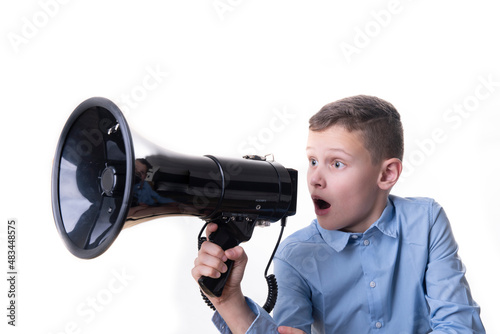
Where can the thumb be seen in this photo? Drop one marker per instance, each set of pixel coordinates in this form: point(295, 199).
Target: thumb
point(236, 253)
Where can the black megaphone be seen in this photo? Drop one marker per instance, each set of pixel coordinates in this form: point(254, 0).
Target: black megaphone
point(105, 179)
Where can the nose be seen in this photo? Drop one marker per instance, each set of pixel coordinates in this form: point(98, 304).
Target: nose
point(316, 178)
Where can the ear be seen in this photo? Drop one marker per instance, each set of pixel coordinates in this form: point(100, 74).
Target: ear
point(389, 173)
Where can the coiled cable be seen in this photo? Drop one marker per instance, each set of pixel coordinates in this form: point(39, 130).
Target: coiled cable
point(272, 284)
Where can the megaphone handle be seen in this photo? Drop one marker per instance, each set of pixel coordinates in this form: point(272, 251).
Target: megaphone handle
point(222, 237)
point(214, 286)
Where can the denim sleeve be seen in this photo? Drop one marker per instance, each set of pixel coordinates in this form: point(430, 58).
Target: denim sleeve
point(448, 295)
point(262, 324)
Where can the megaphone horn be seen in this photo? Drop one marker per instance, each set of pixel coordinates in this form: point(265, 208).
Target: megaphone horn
point(105, 179)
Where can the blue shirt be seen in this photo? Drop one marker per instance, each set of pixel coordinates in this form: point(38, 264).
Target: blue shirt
point(402, 275)
point(144, 194)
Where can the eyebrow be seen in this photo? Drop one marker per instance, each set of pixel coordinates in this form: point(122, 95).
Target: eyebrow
point(332, 149)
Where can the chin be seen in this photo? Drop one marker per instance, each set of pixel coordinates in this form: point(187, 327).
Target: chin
point(331, 224)
point(326, 223)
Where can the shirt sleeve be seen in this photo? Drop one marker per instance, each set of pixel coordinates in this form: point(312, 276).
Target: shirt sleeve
point(262, 324)
point(451, 306)
point(294, 305)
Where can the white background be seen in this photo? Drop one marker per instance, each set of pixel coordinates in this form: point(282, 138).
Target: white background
point(224, 70)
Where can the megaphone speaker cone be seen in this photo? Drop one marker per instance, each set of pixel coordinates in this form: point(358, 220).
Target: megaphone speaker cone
point(92, 177)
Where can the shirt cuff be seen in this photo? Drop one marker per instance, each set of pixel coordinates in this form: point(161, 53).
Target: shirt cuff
point(263, 323)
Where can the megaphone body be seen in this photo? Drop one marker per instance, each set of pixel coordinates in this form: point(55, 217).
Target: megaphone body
point(105, 178)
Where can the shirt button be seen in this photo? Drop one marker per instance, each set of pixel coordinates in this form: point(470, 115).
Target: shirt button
point(373, 284)
point(354, 236)
point(378, 324)
point(366, 242)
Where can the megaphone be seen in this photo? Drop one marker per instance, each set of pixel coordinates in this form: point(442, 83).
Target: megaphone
point(105, 179)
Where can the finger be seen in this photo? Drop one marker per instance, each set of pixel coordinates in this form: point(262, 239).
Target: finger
point(208, 260)
point(289, 330)
point(211, 228)
point(213, 250)
point(283, 330)
point(200, 270)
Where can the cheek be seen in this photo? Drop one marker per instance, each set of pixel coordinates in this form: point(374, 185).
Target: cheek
point(354, 187)
point(340, 193)
point(345, 195)
point(365, 187)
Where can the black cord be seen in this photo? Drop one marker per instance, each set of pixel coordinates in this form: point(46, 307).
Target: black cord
point(272, 284)
point(200, 238)
point(207, 301)
point(283, 224)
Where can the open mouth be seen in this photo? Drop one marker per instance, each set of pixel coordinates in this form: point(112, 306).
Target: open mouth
point(321, 204)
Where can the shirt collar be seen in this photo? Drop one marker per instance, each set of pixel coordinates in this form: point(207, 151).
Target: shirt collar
point(386, 222)
point(338, 240)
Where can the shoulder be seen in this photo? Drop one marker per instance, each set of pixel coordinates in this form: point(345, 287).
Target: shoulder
point(417, 207)
point(417, 216)
point(411, 201)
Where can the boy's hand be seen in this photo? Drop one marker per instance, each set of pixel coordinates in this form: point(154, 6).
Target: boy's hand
point(231, 305)
point(210, 263)
point(289, 330)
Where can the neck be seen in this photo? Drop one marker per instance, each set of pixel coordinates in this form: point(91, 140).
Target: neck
point(378, 207)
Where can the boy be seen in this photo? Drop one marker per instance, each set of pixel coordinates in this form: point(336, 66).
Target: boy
point(371, 262)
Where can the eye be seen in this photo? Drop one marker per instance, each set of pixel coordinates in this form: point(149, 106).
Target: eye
point(339, 165)
point(313, 162)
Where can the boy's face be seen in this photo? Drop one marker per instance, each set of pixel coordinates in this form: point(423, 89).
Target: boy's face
point(342, 180)
point(141, 170)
